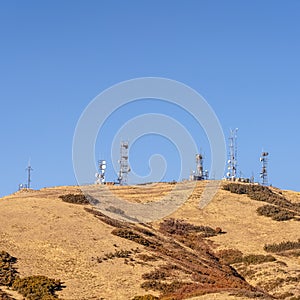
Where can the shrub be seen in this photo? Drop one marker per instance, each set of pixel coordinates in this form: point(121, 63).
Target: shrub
point(118, 254)
point(131, 235)
point(281, 208)
point(180, 227)
point(104, 218)
point(37, 287)
point(275, 212)
point(157, 274)
point(254, 259)
point(75, 198)
point(146, 258)
point(283, 246)
point(259, 193)
point(236, 188)
point(230, 256)
point(284, 215)
point(7, 272)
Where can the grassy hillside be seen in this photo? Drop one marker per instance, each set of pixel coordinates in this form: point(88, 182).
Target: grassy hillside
point(219, 252)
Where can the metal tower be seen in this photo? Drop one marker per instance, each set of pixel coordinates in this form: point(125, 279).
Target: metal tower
point(199, 166)
point(101, 175)
point(232, 162)
point(200, 173)
point(123, 162)
point(264, 171)
point(29, 170)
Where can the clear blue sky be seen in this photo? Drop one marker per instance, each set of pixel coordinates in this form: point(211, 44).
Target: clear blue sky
point(56, 56)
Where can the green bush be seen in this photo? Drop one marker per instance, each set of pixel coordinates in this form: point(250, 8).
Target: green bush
point(37, 287)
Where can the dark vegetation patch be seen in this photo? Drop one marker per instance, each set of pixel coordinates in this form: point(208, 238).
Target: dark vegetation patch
point(117, 254)
point(230, 256)
point(157, 274)
point(275, 212)
point(190, 266)
point(255, 259)
point(281, 209)
point(37, 287)
point(79, 199)
point(134, 236)
point(233, 256)
point(283, 246)
point(105, 219)
point(180, 227)
point(147, 258)
point(32, 287)
point(8, 272)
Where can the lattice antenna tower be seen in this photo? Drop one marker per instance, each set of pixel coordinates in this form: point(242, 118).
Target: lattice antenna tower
point(232, 162)
point(123, 162)
point(29, 170)
point(264, 170)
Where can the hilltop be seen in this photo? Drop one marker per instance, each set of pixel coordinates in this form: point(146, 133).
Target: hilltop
point(218, 252)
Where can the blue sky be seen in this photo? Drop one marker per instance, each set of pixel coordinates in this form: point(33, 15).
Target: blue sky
point(56, 56)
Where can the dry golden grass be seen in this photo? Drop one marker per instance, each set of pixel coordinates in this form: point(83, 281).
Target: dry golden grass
point(61, 240)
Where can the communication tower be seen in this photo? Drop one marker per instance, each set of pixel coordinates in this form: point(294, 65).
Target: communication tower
point(232, 162)
point(264, 171)
point(101, 175)
point(123, 162)
point(199, 166)
point(29, 170)
point(200, 173)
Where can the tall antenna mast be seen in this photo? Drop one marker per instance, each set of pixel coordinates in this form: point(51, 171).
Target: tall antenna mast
point(200, 173)
point(264, 165)
point(101, 175)
point(199, 166)
point(124, 165)
point(29, 169)
point(232, 162)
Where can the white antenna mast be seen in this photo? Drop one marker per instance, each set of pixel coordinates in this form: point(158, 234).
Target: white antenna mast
point(232, 162)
